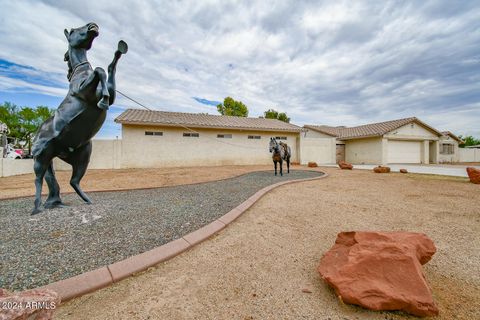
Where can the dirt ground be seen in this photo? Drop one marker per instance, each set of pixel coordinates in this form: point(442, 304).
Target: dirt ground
point(97, 180)
point(258, 266)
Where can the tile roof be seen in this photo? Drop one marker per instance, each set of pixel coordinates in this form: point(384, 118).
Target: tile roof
point(368, 130)
point(196, 120)
point(448, 133)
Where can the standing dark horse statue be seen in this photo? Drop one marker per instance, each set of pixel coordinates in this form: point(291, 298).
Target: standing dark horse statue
point(68, 133)
point(280, 152)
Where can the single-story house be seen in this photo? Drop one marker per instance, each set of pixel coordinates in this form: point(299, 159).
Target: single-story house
point(408, 140)
point(170, 139)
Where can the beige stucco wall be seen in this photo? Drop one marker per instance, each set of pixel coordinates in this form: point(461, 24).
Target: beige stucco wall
point(468, 155)
point(319, 150)
point(308, 133)
point(136, 150)
point(455, 157)
point(364, 151)
point(411, 131)
point(106, 154)
point(13, 167)
point(173, 149)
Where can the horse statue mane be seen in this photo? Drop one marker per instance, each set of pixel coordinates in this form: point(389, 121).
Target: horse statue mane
point(68, 133)
point(66, 58)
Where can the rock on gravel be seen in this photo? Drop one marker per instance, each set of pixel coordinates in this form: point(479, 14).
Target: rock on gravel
point(345, 165)
point(381, 270)
point(381, 169)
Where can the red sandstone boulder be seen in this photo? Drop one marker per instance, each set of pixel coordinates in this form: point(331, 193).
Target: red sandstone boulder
point(36, 304)
point(312, 164)
point(474, 175)
point(403, 171)
point(381, 169)
point(345, 165)
point(381, 270)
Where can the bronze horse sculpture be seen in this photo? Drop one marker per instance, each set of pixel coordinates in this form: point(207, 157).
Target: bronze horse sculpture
point(280, 152)
point(68, 133)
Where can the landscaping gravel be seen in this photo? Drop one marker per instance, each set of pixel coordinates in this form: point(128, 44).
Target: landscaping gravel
point(64, 242)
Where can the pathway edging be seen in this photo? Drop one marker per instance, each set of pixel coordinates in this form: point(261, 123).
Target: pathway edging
point(104, 276)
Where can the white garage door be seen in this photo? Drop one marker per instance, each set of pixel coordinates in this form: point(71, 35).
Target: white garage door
point(404, 151)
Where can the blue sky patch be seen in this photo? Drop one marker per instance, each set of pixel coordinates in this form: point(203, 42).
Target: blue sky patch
point(206, 102)
point(29, 74)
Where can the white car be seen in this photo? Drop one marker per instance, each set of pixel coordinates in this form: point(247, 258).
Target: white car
point(13, 153)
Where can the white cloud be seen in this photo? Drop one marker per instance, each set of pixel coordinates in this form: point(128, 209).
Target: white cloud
point(9, 84)
point(338, 63)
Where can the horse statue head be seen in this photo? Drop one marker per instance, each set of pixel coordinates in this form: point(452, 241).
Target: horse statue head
point(79, 42)
point(82, 38)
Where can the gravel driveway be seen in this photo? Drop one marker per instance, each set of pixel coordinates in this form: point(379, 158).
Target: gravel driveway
point(63, 242)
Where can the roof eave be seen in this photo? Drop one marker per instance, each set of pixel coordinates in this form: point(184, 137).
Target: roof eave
point(455, 137)
point(319, 130)
point(361, 137)
point(140, 123)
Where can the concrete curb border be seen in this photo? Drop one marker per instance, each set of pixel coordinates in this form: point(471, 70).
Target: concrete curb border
point(104, 276)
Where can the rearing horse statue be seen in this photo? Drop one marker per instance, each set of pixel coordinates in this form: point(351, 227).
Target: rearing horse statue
point(68, 133)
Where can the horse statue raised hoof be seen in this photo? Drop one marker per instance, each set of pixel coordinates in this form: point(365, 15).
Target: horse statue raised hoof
point(280, 152)
point(68, 133)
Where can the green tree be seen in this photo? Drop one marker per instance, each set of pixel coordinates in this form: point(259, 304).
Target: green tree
point(274, 114)
point(23, 122)
point(468, 141)
point(9, 116)
point(230, 107)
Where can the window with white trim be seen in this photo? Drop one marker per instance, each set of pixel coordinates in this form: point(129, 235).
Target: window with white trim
point(224, 136)
point(447, 148)
point(254, 137)
point(280, 138)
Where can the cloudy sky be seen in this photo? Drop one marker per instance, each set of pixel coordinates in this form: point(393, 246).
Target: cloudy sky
point(322, 62)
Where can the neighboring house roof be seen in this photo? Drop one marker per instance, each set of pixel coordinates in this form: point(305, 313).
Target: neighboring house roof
point(368, 130)
point(331, 131)
point(448, 133)
point(475, 146)
point(196, 120)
